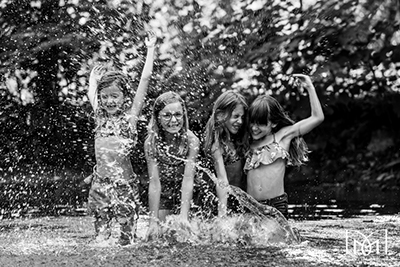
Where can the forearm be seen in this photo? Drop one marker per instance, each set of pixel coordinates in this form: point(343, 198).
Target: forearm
point(222, 194)
point(187, 194)
point(148, 66)
point(154, 199)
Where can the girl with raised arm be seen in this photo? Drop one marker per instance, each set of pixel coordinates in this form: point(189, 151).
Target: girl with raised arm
point(276, 141)
point(114, 190)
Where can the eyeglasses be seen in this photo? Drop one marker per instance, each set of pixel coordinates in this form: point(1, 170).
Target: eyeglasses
point(168, 116)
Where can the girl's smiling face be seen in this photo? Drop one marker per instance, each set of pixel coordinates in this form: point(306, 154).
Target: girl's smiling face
point(171, 117)
point(259, 131)
point(112, 99)
point(235, 121)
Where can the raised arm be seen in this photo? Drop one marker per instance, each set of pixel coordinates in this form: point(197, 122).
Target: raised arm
point(154, 192)
point(188, 177)
point(144, 79)
point(317, 115)
point(222, 185)
point(95, 76)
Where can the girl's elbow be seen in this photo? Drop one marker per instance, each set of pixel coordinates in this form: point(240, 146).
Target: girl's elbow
point(321, 118)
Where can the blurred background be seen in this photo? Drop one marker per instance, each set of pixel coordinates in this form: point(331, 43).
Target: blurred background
point(350, 48)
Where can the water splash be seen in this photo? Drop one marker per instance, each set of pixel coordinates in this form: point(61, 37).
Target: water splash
point(260, 214)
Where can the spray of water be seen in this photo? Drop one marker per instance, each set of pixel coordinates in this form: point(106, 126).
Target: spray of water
point(261, 217)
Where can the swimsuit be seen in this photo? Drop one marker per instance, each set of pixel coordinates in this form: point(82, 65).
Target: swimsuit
point(279, 202)
point(114, 195)
point(171, 170)
point(234, 171)
point(266, 155)
point(233, 166)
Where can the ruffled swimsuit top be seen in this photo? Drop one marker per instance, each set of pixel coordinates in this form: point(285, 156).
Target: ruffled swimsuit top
point(266, 154)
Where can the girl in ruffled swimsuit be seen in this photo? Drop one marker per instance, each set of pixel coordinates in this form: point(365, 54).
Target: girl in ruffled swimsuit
point(275, 142)
point(114, 191)
point(225, 141)
point(171, 150)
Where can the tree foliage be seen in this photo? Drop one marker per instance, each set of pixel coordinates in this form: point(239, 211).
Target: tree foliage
point(349, 47)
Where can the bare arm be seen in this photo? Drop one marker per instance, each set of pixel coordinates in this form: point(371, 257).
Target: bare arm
point(95, 76)
point(222, 185)
point(154, 185)
point(317, 115)
point(188, 176)
point(144, 79)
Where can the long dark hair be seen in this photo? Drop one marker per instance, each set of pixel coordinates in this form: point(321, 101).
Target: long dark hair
point(216, 130)
point(266, 109)
point(156, 133)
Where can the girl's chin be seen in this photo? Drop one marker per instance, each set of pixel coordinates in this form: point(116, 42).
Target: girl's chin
point(234, 131)
point(112, 111)
point(173, 130)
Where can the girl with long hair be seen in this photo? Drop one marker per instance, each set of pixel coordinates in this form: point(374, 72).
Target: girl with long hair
point(171, 150)
point(276, 141)
point(225, 141)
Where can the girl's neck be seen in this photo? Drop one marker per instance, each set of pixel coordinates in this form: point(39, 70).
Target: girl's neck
point(268, 139)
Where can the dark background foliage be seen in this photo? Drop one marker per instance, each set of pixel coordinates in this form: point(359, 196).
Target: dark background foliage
point(350, 49)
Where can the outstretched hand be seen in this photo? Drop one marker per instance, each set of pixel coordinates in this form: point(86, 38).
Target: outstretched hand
point(96, 73)
point(303, 80)
point(153, 232)
point(150, 39)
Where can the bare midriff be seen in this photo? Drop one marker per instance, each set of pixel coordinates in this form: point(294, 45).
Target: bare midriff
point(267, 181)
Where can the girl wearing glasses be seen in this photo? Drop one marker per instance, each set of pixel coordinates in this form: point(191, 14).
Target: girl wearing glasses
point(225, 141)
point(114, 192)
point(171, 150)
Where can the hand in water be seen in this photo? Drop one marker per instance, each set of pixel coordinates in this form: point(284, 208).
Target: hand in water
point(150, 39)
point(153, 232)
point(184, 223)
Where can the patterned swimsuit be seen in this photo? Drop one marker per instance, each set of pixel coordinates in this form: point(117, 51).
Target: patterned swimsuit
point(114, 191)
point(171, 170)
point(266, 155)
point(233, 166)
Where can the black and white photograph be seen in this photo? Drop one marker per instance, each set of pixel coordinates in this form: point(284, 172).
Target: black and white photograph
point(200, 133)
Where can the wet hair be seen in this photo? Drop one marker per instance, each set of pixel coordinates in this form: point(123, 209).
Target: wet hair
point(156, 133)
point(120, 80)
point(265, 109)
point(216, 130)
